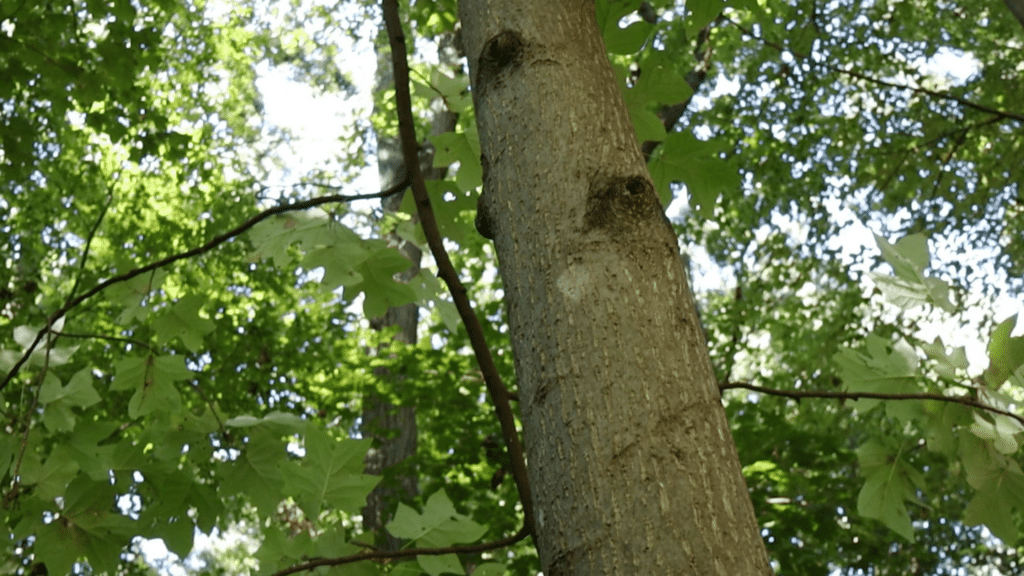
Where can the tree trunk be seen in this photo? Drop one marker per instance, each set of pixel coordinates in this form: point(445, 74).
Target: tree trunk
point(394, 427)
point(631, 462)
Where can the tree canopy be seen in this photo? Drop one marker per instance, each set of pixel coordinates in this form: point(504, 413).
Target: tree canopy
point(185, 342)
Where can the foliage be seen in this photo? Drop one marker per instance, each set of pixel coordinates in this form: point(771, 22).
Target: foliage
point(223, 389)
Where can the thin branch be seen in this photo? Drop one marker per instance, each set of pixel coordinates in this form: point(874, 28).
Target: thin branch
point(943, 95)
point(213, 410)
point(798, 394)
point(15, 489)
point(216, 241)
point(16, 10)
point(394, 554)
point(495, 388)
point(88, 243)
point(947, 160)
point(104, 337)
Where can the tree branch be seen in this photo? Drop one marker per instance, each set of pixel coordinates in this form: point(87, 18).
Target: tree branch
point(495, 388)
point(943, 95)
point(798, 394)
point(88, 241)
point(393, 554)
point(216, 241)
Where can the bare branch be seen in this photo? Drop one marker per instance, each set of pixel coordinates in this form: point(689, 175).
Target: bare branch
point(393, 554)
point(216, 241)
point(942, 95)
point(495, 387)
point(798, 394)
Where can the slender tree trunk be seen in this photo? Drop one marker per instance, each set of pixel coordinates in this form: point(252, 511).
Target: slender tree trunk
point(631, 462)
point(394, 427)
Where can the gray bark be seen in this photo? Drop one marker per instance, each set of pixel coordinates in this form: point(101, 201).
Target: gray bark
point(1017, 9)
point(631, 462)
point(394, 427)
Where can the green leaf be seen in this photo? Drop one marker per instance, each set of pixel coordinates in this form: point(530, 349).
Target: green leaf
point(628, 40)
point(334, 542)
point(52, 548)
point(618, 40)
point(273, 237)
point(700, 13)
point(282, 422)
point(58, 400)
point(647, 124)
point(329, 474)
point(490, 569)
point(999, 482)
point(454, 90)
point(438, 526)
point(430, 294)
point(888, 483)
point(908, 257)
point(338, 262)
point(152, 378)
point(436, 565)
point(989, 507)
point(464, 148)
point(131, 293)
point(56, 416)
point(1005, 353)
point(911, 287)
point(944, 420)
point(78, 392)
point(95, 460)
point(947, 365)
point(88, 528)
point(685, 159)
point(52, 478)
point(882, 498)
point(378, 283)
point(256, 473)
point(1000, 430)
point(660, 81)
point(452, 147)
point(449, 204)
point(884, 367)
point(182, 320)
point(279, 549)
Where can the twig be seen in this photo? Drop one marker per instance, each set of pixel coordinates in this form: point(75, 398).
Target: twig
point(495, 388)
point(392, 554)
point(943, 95)
point(216, 241)
point(88, 242)
point(798, 394)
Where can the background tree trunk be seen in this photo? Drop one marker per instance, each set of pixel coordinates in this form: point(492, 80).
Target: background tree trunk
point(631, 461)
point(394, 427)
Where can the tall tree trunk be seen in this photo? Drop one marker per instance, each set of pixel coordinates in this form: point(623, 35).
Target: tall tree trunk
point(394, 427)
point(631, 462)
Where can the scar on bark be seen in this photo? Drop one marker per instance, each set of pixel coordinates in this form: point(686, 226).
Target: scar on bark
point(503, 52)
point(484, 222)
point(621, 205)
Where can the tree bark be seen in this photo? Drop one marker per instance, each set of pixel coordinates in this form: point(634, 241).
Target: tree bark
point(394, 427)
point(631, 461)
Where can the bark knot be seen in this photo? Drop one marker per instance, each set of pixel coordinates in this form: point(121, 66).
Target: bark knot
point(622, 205)
point(503, 52)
